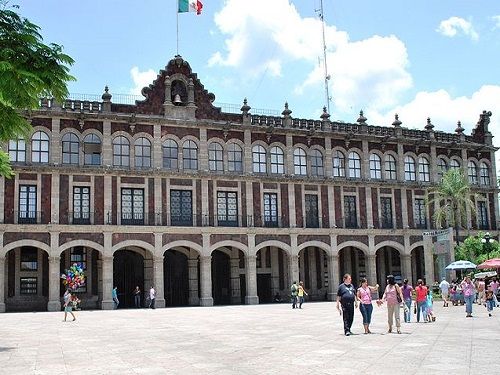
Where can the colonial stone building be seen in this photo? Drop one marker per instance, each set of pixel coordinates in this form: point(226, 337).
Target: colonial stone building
point(220, 208)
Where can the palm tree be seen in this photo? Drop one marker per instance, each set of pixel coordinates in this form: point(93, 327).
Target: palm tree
point(453, 198)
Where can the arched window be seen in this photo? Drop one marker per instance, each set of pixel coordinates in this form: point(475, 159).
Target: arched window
point(259, 159)
point(142, 152)
point(190, 155)
point(423, 169)
point(442, 167)
point(410, 174)
point(338, 164)
point(215, 157)
point(234, 158)
point(170, 154)
point(484, 171)
point(454, 164)
point(472, 172)
point(277, 160)
point(70, 149)
point(92, 149)
point(121, 152)
point(317, 163)
point(375, 167)
point(354, 165)
point(299, 162)
point(390, 167)
point(40, 147)
point(17, 151)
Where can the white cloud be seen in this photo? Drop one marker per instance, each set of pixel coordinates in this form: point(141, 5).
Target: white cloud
point(496, 19)
point(141, 79)
point(454, 26)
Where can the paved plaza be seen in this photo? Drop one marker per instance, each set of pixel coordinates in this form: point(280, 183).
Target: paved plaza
point(258, 339)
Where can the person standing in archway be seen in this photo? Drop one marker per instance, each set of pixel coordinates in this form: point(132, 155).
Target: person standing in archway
point(114, 296)
point(346, 297)
point(152, 297)
point(137, 297)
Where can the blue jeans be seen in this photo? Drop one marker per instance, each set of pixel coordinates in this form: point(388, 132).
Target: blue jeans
point(421, 307)
point(469, 300)
point(366, 312)
point(490, 305)
point(407, 313)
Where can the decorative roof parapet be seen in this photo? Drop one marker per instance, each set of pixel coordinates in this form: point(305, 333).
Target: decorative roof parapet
point(287, 119)
point(325, 118)
point(245, 109)
point(361, 119)
point(106, 100)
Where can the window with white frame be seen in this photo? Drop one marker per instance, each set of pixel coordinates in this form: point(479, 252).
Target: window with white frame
point(338, 164)
point(472, 172)
point(299, 162)
point(227, 208)
point(390, 167)
point(375, 167)
point(317, 168)
point(234, 158)
point(81, 205)
point(277, 160)
point(142, 153)
point(423, 169)
point(121, 151)
point(190, 155)
point(270, 209)
point(482, 215)
point(442, 167)
point(17, 151)
point(92, 149)
point(259, 159)
point(419, 216)
point(170, 152)
point(70, 149)
point(454, 164)
point(132, 206)
point(215, 157)
point(27, 204)
point(40, 147)
point(354, 165)
point(484, 172)
point(410, 174)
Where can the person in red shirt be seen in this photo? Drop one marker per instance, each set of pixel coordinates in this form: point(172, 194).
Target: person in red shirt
point(421, 291)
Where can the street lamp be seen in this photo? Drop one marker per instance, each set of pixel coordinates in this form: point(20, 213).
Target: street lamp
point(486, 243)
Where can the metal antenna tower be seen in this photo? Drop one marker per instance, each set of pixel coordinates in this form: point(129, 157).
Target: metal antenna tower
point(327, 76)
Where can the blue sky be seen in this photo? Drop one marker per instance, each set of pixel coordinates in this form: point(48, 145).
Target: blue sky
point(417, 58)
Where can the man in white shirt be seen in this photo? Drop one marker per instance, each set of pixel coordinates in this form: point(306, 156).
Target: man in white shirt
point(152, 296)
point(445, 287)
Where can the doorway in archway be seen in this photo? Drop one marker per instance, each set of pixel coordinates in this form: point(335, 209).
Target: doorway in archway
point(176, 278)
point(221, 278)
point(128, 272)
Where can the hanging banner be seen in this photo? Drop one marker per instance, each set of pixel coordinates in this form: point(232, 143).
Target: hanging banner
point(433, 233)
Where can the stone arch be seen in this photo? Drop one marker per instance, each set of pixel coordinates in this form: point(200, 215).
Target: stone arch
point(86, 243)
point(415, 245)
point(281, 245)
point(321, 245)
point(386, 264)
point(21, 243)
point(359, 245)
point(395, 245)
point(228, 243)
point(131, 244)
point(181, 243)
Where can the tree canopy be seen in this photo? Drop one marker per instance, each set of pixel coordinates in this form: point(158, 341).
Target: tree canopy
point(475, 250)
point(29, 70)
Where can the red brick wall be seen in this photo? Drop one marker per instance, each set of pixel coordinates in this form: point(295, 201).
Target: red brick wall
point(197, 194)
point(257, 209)
point(46, 198)
point(243, 193)
point(324, 206)
point(210, 198)
point(409, 205)
point(376, 222)
point(362, 207)
point(64, 198)
point(285, 218)
point(99, 200)
point(114, 197)
point(151, 201)
point(399, 213)
point(8, 201)
point(298, 206)
point(338, 206)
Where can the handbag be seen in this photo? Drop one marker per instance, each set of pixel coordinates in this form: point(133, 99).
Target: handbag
point(398, 297)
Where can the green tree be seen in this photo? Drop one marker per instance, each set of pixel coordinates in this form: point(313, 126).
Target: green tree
point(453, 198)
point(477, 250)
point(29, 70)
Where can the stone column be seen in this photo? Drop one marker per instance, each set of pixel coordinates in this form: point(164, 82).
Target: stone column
point(251, 278)
point(206, 281)
point(293, 265)
point(275, 270)
point(107, 283)
point(333, 276)
point(158, 281)
point(406, 265)
point(235, 281)
point(194, 299)
point(371, 269)
point(428, 260)
point(2, 284)
point(54, 284)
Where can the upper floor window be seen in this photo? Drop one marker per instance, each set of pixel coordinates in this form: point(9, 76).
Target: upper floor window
point(423, 169)
point(311, 209)
point(317, 163)
point(390, 167)
point(81, 205)
point(259, 159)
point(419, 215)
point(454, 164)
point(170, 154)
point(121, 152)
point(299, 161)
point(29, 258)
point(40, 147)
point(386, 212)
point(70, 149)
point(132, 206)
point(472, 172)
point(190, 155)
point(92, 149)
point(442, 167)
point(350, 215)
point(234, 158)
point(27, 204)
point(215, 157)
point(484, 173)
point(410, 174)
point(17, 151)
point(277, 160)
point(354, 165)
point(142, 152)
point(338, 164)
point(482, 215)
point(375, 167)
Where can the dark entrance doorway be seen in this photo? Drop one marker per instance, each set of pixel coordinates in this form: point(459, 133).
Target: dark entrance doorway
point(128, 272)
point(264, 288)
point(221, 277)
point(176, 278)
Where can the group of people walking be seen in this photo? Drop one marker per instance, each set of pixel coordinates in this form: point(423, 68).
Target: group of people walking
point(136, 293)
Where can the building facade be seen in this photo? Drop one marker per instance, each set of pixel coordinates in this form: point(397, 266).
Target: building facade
point(221, 208)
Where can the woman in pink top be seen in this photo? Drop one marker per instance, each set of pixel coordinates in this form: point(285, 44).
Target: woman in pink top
point(365, 296)
point(469, 291)
point(392, 291)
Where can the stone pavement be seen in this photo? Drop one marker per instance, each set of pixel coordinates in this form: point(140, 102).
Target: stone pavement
point(257, 339)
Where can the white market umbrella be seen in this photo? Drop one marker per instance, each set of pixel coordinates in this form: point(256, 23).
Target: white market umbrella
point(460, 265)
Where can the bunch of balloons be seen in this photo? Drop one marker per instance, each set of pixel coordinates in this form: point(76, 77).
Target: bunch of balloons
point(74, 277)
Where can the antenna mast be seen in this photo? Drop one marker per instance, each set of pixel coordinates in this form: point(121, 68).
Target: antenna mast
point(327, 76)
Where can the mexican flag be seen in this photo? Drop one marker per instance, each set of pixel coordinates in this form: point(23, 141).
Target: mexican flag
point(190, 6)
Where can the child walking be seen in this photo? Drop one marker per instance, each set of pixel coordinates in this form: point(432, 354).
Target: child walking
point(490, 301)
point(428, 307)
